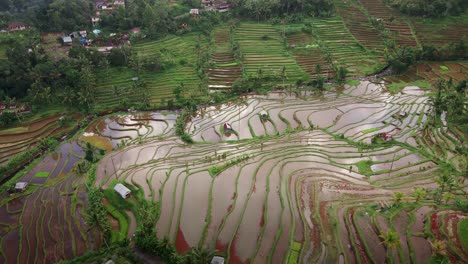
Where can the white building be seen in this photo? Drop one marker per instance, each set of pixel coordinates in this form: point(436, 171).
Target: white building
point(122, 190)
point(217, 260)
point(21, 186)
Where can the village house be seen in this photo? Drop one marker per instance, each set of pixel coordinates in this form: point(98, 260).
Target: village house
point(16, 26)
point(194, 12)
point(67, 41)
point(118, 3)
point(21, 186)
point(217, 260)
point(100, 4)
point(95, 20)
point(216, 5)
point(123, 191)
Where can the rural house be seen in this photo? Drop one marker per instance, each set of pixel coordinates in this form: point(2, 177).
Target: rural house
point(217, 260)
point(122, 190)
point(21, 186)
point(16, 26)
point(67, 41)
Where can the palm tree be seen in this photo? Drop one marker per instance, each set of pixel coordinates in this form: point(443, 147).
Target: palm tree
point(448, 196)
point(439, 248)
point(397, 197)
point(199, 255)
point(390, 239)
point(419, 194)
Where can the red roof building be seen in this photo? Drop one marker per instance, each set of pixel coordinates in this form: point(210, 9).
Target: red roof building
point(17, 26)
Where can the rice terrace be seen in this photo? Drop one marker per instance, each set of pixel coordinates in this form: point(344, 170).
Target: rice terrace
point(250, 131)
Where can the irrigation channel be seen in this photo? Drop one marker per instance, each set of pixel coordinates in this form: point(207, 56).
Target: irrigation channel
point(297, 179)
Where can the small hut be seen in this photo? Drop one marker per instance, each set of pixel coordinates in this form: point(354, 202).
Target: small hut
point(21, 186)
point(122, 190)
point(217, 260)
point(386, 136)
point(194, 12)
point(227, 127)
point(67, 40)
point(264, 114)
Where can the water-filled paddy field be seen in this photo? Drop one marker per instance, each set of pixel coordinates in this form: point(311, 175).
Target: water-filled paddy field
point(298, 178)
point(303, 181)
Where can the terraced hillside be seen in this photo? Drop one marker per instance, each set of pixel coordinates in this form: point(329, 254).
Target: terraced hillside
point(308, 55)
point(392, 20)
point(429, 71)
point(441, 31)
point(357, 21)
point(184, 53)
point(107, 133)
point(344, 49)
point(18, 139)
point(307, 187)
point(117, 85)
point(46, 223)
point(225, 69)
point(263, 49)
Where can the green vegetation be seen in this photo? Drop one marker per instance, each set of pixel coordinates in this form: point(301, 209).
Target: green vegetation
point(42, 174)
point(370, 130)
point(463, 232)
point(436, 8)
point(275, 176)
point(396, 87)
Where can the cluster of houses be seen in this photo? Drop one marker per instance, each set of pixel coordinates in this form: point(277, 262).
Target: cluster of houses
point(17, 108)
point(104, 5)
point(216, 5)
point(15, 26)
point(81, 36)
point(108, 5)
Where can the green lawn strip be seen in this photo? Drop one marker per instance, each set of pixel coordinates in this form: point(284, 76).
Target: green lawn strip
point(42, 174)
point(215, 170)
point(364, 167)
point(353, 82)
point(462, 227)
point(370, 130)
point(123, 224)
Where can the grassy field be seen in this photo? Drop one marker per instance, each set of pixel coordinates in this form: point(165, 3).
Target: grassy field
point(116, 84)
point(343, 47)
point(264, 49)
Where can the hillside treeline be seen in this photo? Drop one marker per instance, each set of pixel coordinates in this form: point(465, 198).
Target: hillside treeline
point(430, 8)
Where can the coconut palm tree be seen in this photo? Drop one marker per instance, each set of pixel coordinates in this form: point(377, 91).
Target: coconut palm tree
point(397, 197)
point(419, 194)
point(439, 248)
point(199, 255)
point(390, 239)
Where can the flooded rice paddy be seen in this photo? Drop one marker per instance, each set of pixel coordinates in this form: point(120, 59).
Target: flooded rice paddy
point(306, 173)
